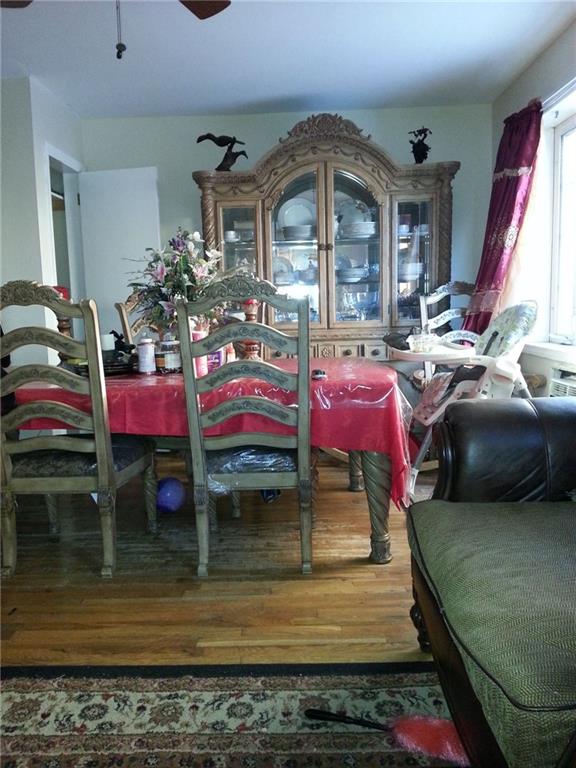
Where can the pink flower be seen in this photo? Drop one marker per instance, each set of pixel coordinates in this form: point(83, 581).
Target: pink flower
point(169, 308)
point(200, 271)
point(158, 272)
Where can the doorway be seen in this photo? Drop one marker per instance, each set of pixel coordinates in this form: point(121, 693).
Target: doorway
point(66, 226)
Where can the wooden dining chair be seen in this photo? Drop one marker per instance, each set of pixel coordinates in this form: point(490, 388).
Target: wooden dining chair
point(260, 442)
point(130, 326)
point(431, 320)
point(87, 459)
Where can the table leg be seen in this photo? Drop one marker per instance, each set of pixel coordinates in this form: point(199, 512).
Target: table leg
point(377, 479)
point(355, 476)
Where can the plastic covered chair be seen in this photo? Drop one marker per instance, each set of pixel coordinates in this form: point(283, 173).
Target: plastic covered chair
point(252, 454)
point(492, 371)
point(86, 459)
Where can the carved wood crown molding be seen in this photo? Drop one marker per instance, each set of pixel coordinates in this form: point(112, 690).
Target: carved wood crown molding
point(326, 136)
point(322, 126)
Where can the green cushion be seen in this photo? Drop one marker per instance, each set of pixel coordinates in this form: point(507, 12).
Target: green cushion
point(505, 577)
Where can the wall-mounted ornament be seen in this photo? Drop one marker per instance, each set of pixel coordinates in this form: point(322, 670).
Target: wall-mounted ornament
point(419, 147)
point(229, 142)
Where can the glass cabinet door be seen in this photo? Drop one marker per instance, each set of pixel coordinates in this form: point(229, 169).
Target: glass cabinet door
point(413, 258)
point(356, 261)
point(238, 237)
point(294, 225)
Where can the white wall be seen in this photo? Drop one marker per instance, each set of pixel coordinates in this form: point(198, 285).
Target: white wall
point(33, 124)
point(56, 133)
point(458, 133)
point(547, 75)
point(20, 232)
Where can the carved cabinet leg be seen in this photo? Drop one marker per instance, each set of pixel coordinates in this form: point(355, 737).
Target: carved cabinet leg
point(212, 513)
point(377, 479)
point(150, 498)
point(315, 475)
point(355, 476)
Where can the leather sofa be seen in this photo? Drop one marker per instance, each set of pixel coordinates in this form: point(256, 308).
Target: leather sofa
point(494, 578)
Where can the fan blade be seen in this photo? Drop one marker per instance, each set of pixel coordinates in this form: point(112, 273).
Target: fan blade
point(14, 3)
point(203, 9)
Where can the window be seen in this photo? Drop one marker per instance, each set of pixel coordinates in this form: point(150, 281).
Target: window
point(563, 283)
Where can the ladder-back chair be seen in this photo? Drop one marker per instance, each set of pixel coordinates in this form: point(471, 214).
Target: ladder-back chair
point(85, 460)
point(249, 458)
point(130, 327)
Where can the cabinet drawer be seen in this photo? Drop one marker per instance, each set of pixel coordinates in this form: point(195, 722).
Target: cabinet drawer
point(348, 350)
point(375, 351)
point(277, 354)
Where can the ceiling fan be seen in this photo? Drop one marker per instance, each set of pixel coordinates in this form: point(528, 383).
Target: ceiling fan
point(202, 9)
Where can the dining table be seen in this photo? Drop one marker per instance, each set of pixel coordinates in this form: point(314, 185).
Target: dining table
point(356, 407)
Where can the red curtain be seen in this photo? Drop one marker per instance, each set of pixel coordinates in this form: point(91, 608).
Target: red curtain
point(511, 185)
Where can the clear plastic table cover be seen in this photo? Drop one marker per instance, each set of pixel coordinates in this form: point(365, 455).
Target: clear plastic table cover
point(357, 407)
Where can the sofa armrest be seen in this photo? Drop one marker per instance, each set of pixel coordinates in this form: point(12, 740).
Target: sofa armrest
point(507, 450)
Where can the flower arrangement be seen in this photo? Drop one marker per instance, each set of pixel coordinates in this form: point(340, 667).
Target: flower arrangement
point(184, 268)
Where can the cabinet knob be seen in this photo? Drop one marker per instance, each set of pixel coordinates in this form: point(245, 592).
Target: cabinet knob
point(347, 352)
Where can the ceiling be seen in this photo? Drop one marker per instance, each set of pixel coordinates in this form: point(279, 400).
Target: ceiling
point(276, 55)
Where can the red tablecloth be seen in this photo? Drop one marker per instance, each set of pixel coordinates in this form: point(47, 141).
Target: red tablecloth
point(357, 407)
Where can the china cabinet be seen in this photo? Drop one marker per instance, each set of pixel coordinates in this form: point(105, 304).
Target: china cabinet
point(326, 213)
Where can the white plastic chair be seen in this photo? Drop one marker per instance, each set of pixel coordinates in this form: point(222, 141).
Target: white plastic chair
point(491, 372)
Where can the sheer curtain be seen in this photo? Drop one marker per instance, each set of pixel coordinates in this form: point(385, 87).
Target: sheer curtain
point(511, 187)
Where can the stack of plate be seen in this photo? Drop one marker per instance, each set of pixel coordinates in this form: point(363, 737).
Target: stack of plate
point(309, 275)
point(410, 271)
point(112, 366)
point(352, 274)
point(298, 231)
point(244, 230)
point(357, 229)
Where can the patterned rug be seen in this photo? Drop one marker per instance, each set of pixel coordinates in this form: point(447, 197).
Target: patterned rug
point(212, 717)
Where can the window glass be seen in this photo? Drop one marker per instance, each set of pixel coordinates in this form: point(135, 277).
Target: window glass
point(563, 288)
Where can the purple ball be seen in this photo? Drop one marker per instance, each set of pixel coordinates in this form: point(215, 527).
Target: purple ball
point(171, 495)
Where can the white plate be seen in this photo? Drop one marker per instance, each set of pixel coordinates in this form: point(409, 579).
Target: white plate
point(352, 211)
point(281, 264)
point(342, 262)
point(295, 212)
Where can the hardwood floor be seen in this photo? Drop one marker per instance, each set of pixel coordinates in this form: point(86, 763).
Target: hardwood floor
point(255, 606)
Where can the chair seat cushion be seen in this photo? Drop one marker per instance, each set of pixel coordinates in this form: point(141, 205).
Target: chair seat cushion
point(504, 576)
point(126, 450)
point(252, 459)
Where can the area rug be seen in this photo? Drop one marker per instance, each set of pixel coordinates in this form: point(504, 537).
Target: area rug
point(213, 717)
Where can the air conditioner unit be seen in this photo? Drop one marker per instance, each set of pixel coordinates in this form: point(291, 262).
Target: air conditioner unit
point(563, 387)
